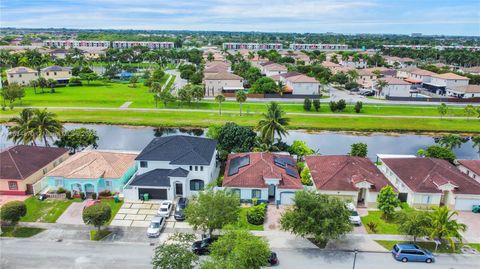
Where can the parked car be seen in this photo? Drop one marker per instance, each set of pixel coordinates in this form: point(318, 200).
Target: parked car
point(165, 209)
point(368, 93)
point(155, 227)
point(355, 218)
point(202, 247)
point(273, 259)
point(179, 209)
point(411, 252)
point(90, 202)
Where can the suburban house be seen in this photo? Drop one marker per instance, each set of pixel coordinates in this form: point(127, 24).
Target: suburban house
point(216, 83)
point(439, 83)
point(350, 178)
point(471, 168)
point(359, 63)
point(395, 87)
point(59, 73)
point(415, 75)
point(426, 182)
point(59, 53)
point(93, 171)
point(22, 166)
point(93, 53)
point(330, 65)
point(466, 91)
point(297, 83)
point(173, 166)
point(216, 67)
point(271, 69)
point(21, 75)
point(267, 177)
point(399, 62)
point(474, 70)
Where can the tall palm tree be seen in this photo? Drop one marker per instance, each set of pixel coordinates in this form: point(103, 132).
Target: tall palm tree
point(281, 87)
point(241, 97)
point(450, 141)
point(444, 226)
point(21, 131)
point(45, 125)
point(381, 84)
point(220, 98)
point(273, 123)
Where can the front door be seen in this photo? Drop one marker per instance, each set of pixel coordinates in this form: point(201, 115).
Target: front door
point(179, 189)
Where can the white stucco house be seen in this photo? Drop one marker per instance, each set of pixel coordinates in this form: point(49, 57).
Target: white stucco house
point(216, 83)
point(427, 182)
point(173, 166)
point(471, 168)
point(440, 83)
point(297, 83)
point(270, 69)
point(21, 75)
point(467, 91)
point(264, 176)
point(395, 87)
point(353, 179)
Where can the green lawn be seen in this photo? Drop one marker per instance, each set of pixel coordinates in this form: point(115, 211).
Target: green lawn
point(114, 206)
point(443, 248)
point(98, 235)
point(44, 211)
point(475, 246)
point(8, 231)
point(244, 224)
point(383, 227)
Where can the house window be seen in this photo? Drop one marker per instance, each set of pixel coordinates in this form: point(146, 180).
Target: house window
point(19, 75)
point(143, 164)
point(196, 168)
point(58, 183)
point(196, 185)
point(44, 170)
point(256, 194)
point(12, 185)
point(55, 73)
point(108, 184)
point(237, 192)
point(191, 168)
point(48, 74)
point(201, 168)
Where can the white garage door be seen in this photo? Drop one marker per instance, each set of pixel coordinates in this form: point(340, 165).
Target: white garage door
point(466, 204)
point(286, 198)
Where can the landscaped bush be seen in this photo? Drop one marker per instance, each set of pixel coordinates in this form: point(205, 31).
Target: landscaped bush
point(68, 195)
point(306, 177)
point(74, 81)
point(94, 196)
point(256, 214)
point(82, 195)
point(13, 211)
point(61, 190)
point(219, 181)
point(372, 226)
point(105, 193)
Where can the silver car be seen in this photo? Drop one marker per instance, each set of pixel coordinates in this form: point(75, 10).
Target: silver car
point(156, 225)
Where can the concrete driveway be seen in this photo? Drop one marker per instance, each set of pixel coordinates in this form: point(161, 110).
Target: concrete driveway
point(8, 198)
point(73, 214)
point(472, 220)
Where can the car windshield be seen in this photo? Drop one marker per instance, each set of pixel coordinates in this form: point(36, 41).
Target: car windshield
point(164, 209)
point(154, 225)
point(354, 213)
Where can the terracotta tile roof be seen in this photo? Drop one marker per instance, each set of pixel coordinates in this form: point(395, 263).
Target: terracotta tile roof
point(275, 67)
point(221, 76)
point(450, 76)
point(342, 172)
point(261, 166)
point(95, 164)
point(472, 165)
point(426, 174)
point(467, 89)
point(422, 72)
point(330, 64)
point(473, 69)
point(302, 79)
point(20, 162)
point(395, 81)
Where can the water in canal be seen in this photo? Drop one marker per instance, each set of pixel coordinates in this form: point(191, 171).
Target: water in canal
point(326, 143)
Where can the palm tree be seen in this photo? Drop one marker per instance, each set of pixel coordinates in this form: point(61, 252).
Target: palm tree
point(45, 126)
point(450, 141)
point(273, 123)
point(353, 75)
point(281, 87)
point(241, 97)
point(220, 98)
point(445, 226)
point(381, 84)
point(156, 88)
point(34, 84)
point(21, 131)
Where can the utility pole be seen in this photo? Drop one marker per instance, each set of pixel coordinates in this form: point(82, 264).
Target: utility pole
point(355, 258)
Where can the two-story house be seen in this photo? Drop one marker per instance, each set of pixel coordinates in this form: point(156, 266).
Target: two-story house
point(173, 166)
point(60, 74)
point(21, 75)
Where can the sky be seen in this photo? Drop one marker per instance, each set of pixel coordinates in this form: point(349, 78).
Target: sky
point(448, 17)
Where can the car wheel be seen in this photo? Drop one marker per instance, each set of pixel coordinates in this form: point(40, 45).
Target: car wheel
point(404, 260)
point(428, 260)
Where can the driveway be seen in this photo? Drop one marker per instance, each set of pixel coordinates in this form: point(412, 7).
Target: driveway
point(73, 214)
point(8, 198)
point(472, 220)
point(272, 219)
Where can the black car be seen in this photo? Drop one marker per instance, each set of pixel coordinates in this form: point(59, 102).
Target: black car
point(273, 260)
point(179, 210)
point(368, 93)
point(202, 247)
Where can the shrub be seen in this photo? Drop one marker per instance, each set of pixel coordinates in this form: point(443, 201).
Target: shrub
point(341, 105)
point(68, 195)
point(219, 181)
point(105, 193)
point(256, 214)
point(254, 201)
point(404, 206)
point(307, 104)
point(358, 107)
point(300, 166)
point(316, 104)
point(305, 177)
point(82, 195)
point(372, 226)
point(13, 211)
point(333, 106)
point(94, 196)
point(74, 81)
point(61, 190)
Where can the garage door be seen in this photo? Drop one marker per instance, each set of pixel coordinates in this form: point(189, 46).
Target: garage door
point(466, 204)
point(286, 198)
point(160, 194)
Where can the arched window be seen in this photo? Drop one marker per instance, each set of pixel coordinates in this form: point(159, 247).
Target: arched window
point(196, 185)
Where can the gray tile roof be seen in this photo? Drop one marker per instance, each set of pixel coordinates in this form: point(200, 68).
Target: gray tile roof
point(157, 177)
point(180, 150)
point(55, 68)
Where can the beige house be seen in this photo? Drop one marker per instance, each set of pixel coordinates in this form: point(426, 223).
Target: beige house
point(216, 83)
point(466, 91)
point(59, 73)
point(395, 88)
point(22, 166)
point(271, 69)
point(93, 53)
point(21, 75)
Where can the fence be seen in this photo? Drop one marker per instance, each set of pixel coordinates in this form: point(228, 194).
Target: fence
point(276, 95)
point(435, 99)
point(40, 186)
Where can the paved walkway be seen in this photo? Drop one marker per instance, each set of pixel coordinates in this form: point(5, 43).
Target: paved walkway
point(73, 214)
point(125, 105)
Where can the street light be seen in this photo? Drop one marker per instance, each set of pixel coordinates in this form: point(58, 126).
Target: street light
point(355, 258)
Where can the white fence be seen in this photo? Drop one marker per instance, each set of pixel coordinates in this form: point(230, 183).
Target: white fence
point(40, 186)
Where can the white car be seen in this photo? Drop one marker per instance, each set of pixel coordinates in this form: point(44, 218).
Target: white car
point(355, 218)
point(165, 209)
point(156, 225)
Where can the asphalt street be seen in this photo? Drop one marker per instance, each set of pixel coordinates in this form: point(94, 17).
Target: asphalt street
point(34, 253)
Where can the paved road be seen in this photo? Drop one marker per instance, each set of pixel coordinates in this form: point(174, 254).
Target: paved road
point(179, 82)
point(31, 253)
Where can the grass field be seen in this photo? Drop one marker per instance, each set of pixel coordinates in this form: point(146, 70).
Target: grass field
point(114, 206)
point(443, 248)
point(44, 211)
point(22, 232)
point(383, 227)
point(244, 224)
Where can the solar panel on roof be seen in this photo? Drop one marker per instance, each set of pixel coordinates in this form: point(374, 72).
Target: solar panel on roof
point(237, 163)
point(291, 172)
point(282, 162)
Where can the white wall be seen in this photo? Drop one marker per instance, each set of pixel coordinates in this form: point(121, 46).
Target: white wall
point(396, 90)
point(214, 87)
point(22, 79)
point(469, 172)
point(304, 88)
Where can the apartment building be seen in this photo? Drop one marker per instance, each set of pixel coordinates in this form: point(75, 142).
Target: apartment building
point(149, 44)
point(76, 44)
point(321, 47)
point(252, 46)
